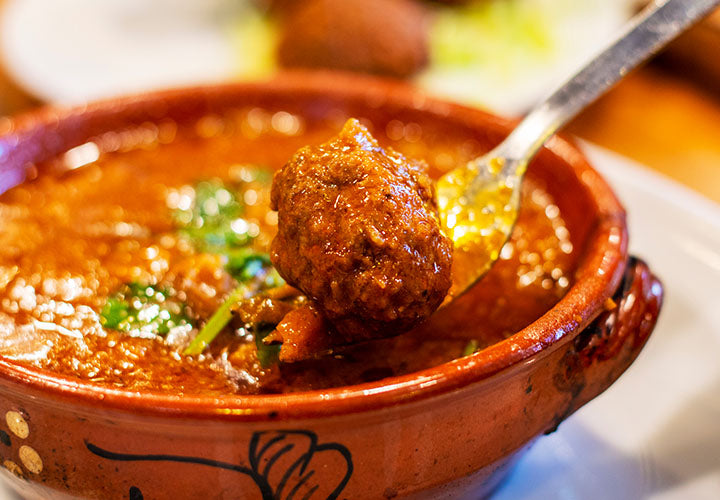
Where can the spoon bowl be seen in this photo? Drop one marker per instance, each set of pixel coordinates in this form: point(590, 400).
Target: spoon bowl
point(478, 205)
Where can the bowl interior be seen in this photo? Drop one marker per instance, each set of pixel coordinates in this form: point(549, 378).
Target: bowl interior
point(397, 115)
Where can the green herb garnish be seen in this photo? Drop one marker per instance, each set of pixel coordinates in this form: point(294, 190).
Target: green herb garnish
point(252, 282)
point(217, 322)
point(144, 309)
point(268, 354)
point(213, 220)
point(246, 265)
point(471, 347)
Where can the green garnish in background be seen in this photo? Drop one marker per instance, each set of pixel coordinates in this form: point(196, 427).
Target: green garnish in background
point(245, 265)
point(492, 32)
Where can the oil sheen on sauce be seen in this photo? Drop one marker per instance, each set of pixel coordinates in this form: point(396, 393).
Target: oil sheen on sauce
point(100, 216)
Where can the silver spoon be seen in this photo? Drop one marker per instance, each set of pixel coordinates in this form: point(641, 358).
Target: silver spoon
point(479, 202)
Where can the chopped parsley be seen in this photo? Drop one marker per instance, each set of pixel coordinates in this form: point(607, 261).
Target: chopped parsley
point(216, 323)
point(268, 354)
point(213, 221)
point(246, 265)
point(471, 347)
point(144, 310)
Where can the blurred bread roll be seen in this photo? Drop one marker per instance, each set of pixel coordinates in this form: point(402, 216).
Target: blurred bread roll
point(383, 37)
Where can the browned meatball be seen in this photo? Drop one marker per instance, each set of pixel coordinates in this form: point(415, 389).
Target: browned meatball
point(386, 37)
point(279, 7)
point(358, 233)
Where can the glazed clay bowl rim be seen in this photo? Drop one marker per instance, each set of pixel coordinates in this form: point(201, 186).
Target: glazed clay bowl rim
point(598, 273)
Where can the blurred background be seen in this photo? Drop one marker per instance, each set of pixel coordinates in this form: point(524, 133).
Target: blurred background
point(656, 434)
point(502, 55)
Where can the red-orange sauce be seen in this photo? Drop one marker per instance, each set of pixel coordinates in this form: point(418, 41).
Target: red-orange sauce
point(101, 216)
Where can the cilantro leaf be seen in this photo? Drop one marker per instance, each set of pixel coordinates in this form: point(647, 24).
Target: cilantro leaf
point(246, 265)
point(268, 354)
point(145, 310)
point(470, 347)
point(213, 220)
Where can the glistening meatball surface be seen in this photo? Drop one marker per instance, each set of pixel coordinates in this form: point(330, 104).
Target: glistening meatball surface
point(358, 233)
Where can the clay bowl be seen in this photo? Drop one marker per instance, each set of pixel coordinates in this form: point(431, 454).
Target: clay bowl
point(452, 431)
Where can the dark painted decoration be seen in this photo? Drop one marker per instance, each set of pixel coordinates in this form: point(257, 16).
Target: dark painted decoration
point(283, 464)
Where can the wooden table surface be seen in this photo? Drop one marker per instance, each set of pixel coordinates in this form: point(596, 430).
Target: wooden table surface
point(655, 116)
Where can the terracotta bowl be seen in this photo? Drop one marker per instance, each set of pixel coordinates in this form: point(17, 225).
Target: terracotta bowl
point(452, 431)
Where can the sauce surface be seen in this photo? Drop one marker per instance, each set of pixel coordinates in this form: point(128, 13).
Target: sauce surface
point(104, 215)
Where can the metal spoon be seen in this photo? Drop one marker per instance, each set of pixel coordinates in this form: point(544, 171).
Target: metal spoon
point(479, 202)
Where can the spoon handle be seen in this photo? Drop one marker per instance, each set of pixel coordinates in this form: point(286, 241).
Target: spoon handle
point(646, 34)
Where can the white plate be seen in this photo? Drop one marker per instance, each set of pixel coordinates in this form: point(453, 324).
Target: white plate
point(71, 51)
point(655, 434)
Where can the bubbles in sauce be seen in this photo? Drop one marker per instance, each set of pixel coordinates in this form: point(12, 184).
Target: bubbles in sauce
point(101, 215)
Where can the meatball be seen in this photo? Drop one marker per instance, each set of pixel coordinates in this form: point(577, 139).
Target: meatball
point(358, 233)
point(385, 37)
point(280, 8)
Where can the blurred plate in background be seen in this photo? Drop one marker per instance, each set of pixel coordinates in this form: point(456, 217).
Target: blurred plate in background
point(77, 50)
point(500, 54)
